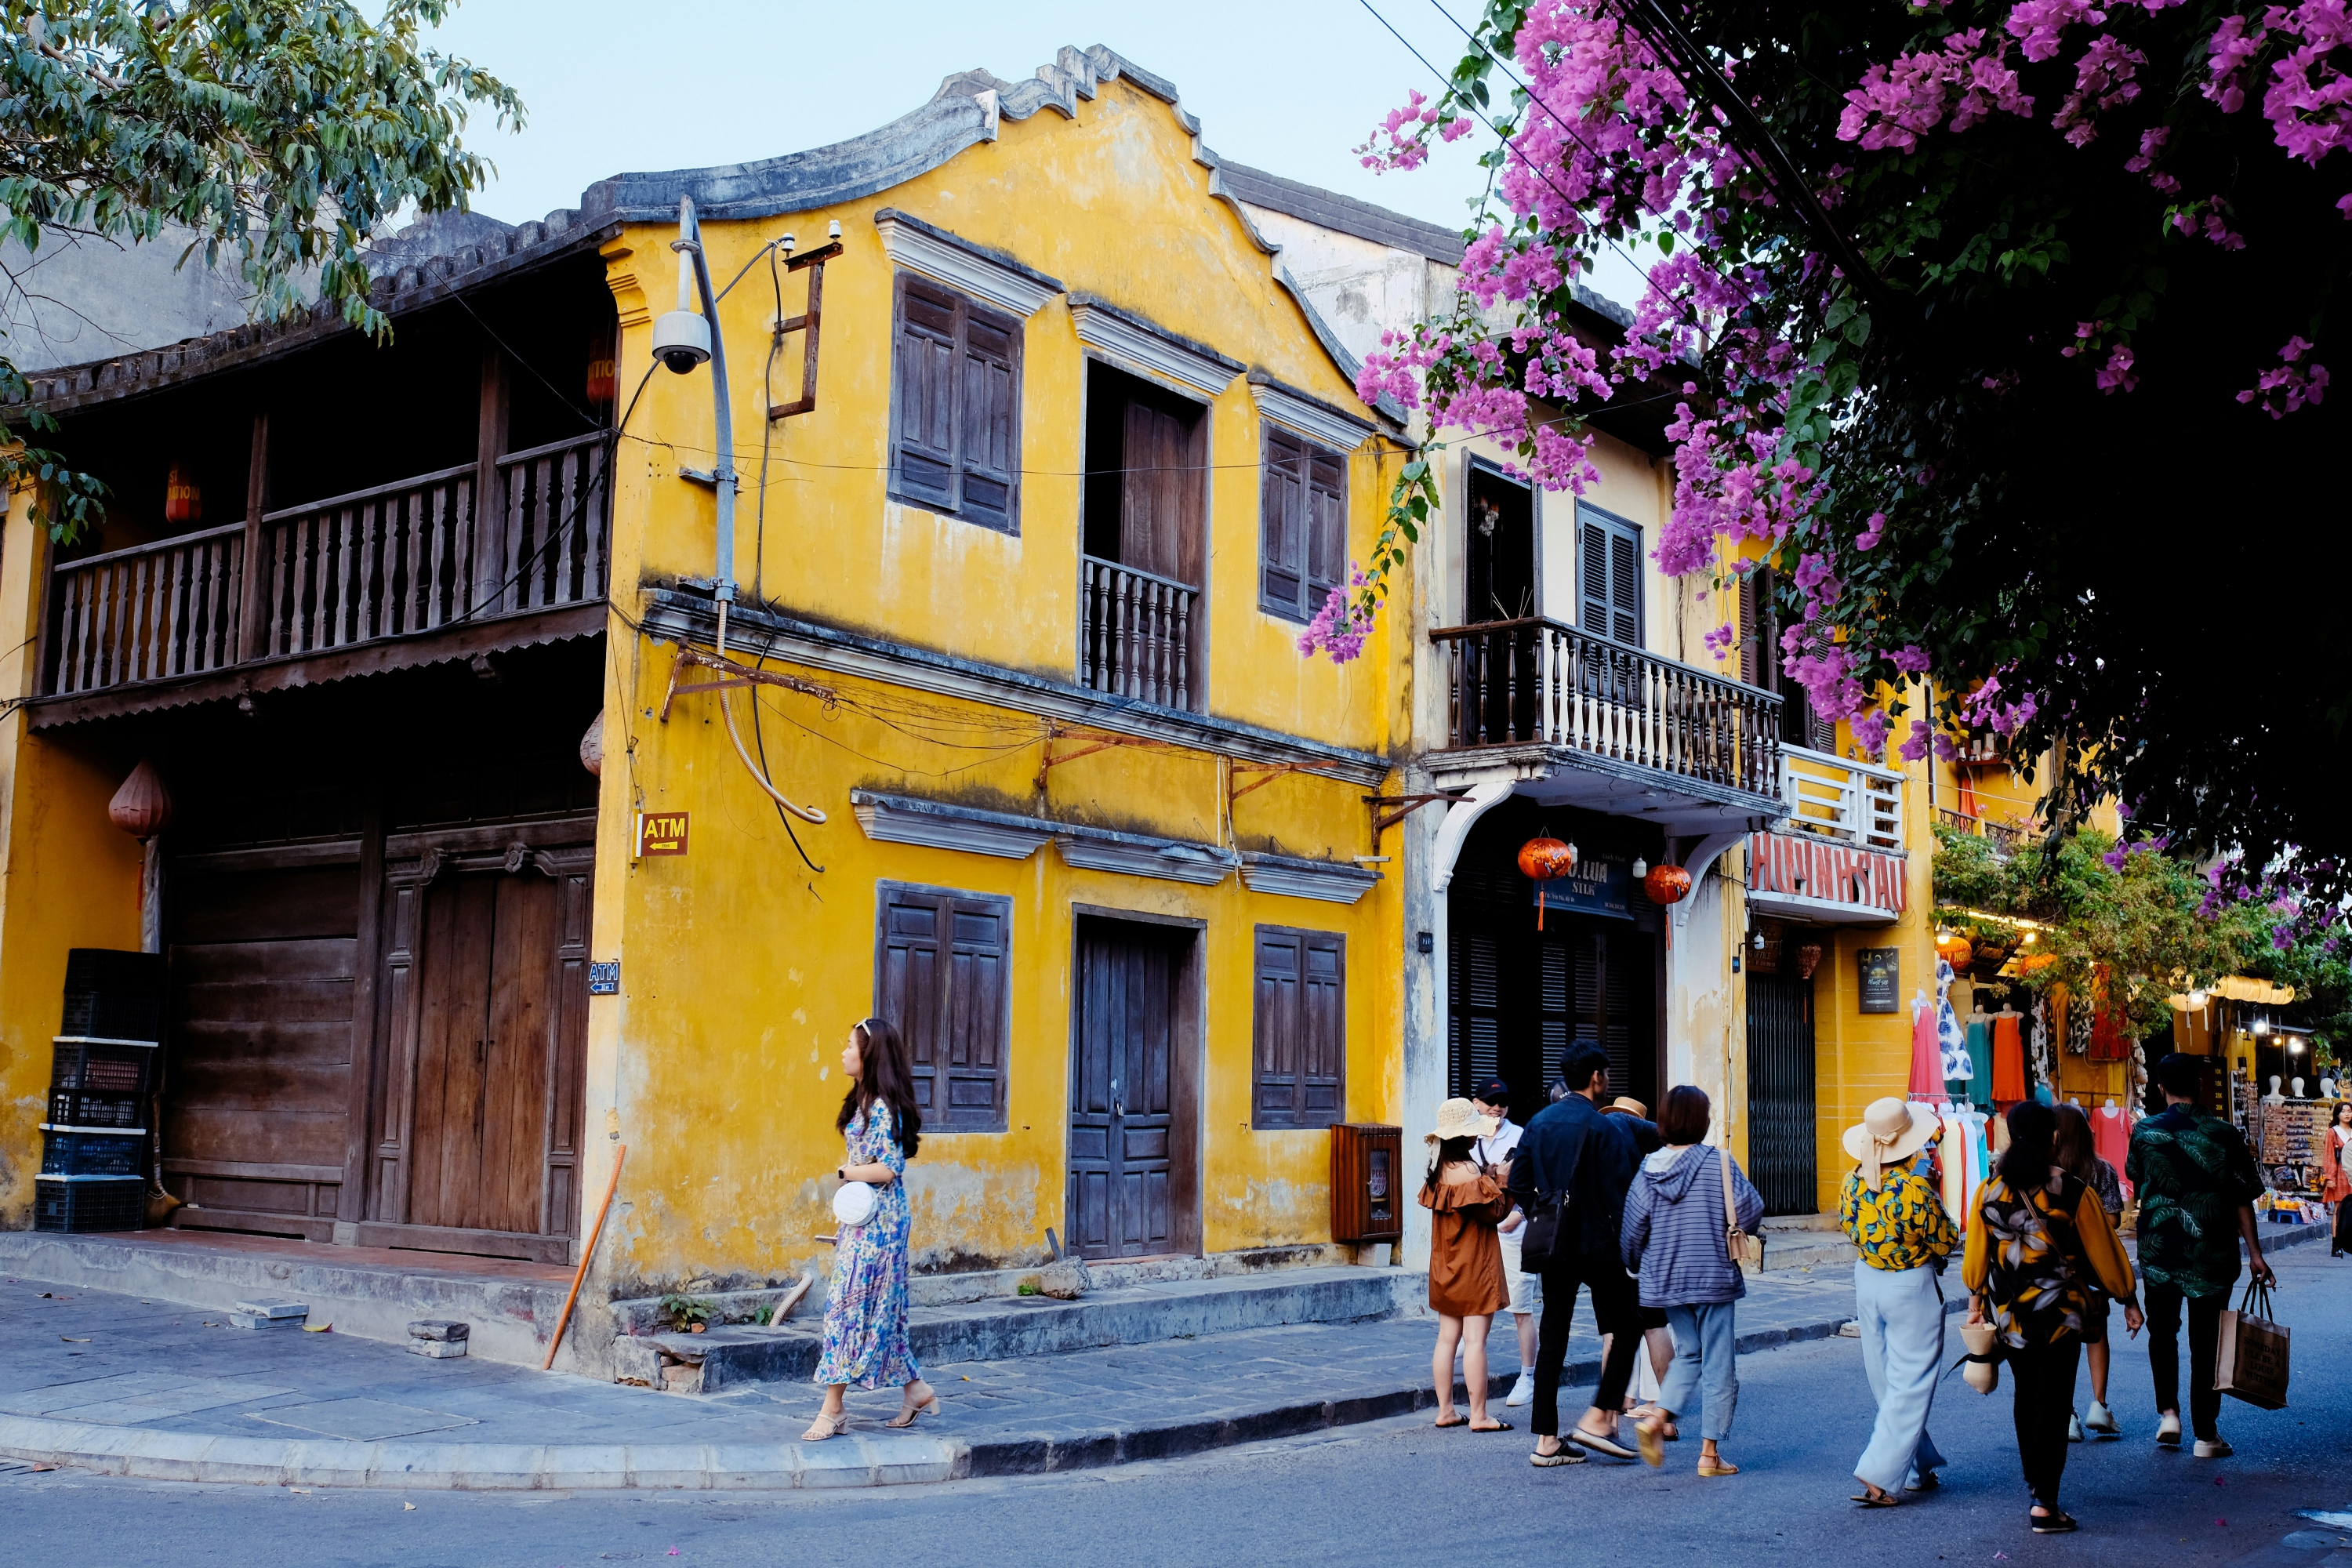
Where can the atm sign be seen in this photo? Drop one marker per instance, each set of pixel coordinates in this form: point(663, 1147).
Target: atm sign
point(661, 833)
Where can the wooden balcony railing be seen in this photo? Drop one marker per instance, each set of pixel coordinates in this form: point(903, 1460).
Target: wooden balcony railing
point(1537, 681)
point(146, 614)
point(1135, 634)
point(2006, 837)
point(393, 561)
point(1856, 802)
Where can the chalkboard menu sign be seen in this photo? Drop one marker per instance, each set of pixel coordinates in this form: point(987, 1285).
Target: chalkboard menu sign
point(1882, 979)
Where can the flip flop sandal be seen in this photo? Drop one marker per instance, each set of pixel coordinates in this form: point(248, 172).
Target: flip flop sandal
point(1457, 1420)
point(1497, 1426)
point(1609, 1445)
point(1566, 1454)
point(1882, 1499)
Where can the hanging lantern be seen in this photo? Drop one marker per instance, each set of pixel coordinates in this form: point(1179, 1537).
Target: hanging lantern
point(1956, 951)
point(183, 499)
point(591, 745)
point(1545, 859)
point(1809, 958)
point(1666, 884)
point(602, 382)
point(143, 806)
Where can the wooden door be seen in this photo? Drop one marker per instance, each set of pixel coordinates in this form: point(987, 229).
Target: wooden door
point(485, 1054)
point(257, 1083)
point(1782, 1140)
point(1130, 1152)
point(485, 986)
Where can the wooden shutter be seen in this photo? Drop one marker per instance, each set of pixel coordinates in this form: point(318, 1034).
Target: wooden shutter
point(1751, 630)
point(1161, 492)
point(1608, 577)
point(990, 390)
point(1282, 507)
point(955, 405)
point(939, 975)
point(1326, 527)
point(923, 463)
point(1300, 1078)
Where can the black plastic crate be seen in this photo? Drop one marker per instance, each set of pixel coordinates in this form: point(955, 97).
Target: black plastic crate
point(106, 1016)
point(93, 1153)
point(73, 1205)
point(103, 1066)
point(110, 971)
point(88, 1108)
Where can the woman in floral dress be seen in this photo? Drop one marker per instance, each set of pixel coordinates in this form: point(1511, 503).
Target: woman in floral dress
point(865, 1311)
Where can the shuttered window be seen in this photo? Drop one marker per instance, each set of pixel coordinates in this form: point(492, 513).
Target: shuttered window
point(1609, 576)
point(1760, 665)
point(1302, 525)
point(1300, 1078)
point(939, 965)
point(955, 411)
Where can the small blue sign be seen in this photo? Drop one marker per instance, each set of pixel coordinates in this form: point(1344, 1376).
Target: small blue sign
point(1602, 884)
point(605, 979)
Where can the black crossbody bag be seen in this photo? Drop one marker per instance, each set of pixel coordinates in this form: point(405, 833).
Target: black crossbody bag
point(1540, 1239)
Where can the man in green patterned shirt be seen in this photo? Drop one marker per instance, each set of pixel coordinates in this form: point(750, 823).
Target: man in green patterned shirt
point(1894, 1215)
point(2197, 1184)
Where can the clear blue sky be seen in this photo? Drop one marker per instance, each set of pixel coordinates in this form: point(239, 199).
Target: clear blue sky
point(1289, 88)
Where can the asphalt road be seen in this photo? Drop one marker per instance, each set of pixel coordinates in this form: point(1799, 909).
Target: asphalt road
point(1396, 1491)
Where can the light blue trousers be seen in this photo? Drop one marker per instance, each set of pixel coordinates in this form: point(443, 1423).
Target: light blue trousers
point(1902, 1319)
point(1705, 1366)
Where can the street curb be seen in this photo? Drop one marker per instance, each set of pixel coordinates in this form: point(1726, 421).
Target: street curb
point(853, 1460)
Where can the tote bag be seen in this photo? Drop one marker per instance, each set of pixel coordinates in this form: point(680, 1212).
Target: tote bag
point(2253, 1364)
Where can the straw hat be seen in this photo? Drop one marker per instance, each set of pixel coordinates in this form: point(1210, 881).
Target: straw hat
point(1460, 1119)
point(1891, 1131)
point(1627, 1104)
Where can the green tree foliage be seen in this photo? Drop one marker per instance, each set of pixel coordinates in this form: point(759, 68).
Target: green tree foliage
point(2142, 914)
point(283, 132)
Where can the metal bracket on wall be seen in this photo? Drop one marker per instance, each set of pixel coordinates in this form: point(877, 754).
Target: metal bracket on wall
point(1405, 805)
point(736, 675)
point(1272, 771)
point(809, 320)
point(1099, 742)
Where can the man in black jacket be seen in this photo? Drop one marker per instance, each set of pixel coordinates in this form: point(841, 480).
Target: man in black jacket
point(1571, 1147)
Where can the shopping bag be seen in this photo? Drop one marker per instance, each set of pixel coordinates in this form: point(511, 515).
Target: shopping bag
point(2253, 1362)
point(1981, 1364)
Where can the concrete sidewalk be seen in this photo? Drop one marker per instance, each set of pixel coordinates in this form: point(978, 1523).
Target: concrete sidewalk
point(149, 1389)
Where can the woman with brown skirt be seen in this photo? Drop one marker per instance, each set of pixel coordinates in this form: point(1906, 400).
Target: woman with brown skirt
point(1466, 1260)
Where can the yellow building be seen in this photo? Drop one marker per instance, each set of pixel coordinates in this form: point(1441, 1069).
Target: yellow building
point(1041, 462)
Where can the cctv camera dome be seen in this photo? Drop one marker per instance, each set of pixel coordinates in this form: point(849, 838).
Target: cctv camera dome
point(681, 340)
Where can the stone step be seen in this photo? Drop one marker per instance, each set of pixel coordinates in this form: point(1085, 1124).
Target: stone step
point(1005, 1328)
point(1808, 1249)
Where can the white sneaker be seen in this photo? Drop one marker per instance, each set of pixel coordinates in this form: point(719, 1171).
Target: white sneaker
point(2216, 1450)
point(1524, 1390)
point(2102, 1420)
point(2167, 1429)
point(2073, 1427)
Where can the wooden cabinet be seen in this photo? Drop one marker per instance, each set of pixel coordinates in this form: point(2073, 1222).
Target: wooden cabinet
point(1367, 1182)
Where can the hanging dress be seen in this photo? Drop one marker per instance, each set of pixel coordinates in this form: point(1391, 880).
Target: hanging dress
point(1926, 1057)
point(2111, 1141)
point(2008, 1062)
point(1950, 1040)
point(1980, 1082)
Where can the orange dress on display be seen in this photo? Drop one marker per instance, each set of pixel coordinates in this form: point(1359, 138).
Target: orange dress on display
point(2007, 1059)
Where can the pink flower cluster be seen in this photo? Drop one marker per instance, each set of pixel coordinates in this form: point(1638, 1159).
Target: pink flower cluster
point(2309, 100)
point(2281, 391)
point(1340, 626)
point(1898, 103)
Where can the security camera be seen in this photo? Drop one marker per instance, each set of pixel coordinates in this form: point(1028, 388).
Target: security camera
point(681, 340)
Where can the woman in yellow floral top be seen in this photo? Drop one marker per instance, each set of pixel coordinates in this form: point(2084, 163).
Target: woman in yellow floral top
point(1892, 1215)
point(2039, 1238)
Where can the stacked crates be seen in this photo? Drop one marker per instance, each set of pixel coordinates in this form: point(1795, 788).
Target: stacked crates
point(94, 1141)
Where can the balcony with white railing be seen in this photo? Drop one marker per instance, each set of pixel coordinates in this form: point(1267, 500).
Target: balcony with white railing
point(1854, 802)
point(1837, 859)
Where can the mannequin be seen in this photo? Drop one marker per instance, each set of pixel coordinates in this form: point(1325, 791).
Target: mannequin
point(2296, 1085)
point(2328, 1089)
point(2274, 1096)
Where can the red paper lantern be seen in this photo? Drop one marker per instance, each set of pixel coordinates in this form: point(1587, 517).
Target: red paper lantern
point(1666, 884)
point(602, 381)
point(1545, 859)
point(143, 806)
point(184, 500)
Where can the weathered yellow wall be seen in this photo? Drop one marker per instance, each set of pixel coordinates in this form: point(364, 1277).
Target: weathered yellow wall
point(741, 969)
point(70, 878)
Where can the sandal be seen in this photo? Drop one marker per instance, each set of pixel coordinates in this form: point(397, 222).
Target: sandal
point(1605, 1444)
point(1491, 1427)
point(1649, 1432)
point(2057, 1521)
point(927, 1406)
point(1566, 1454)
point(825, 1427)
point(1873, 1498)
point(1670, 1432)
point(1716, 1467)
point(1453, 1421)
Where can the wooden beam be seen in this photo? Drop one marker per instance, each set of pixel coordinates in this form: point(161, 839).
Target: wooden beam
point(808, 322)
point(252, 622)
point(1407, 804)
point(490, 505)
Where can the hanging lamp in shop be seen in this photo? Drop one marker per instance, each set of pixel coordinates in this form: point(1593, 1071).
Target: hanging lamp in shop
point(183, 499)
point(1545, 859)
